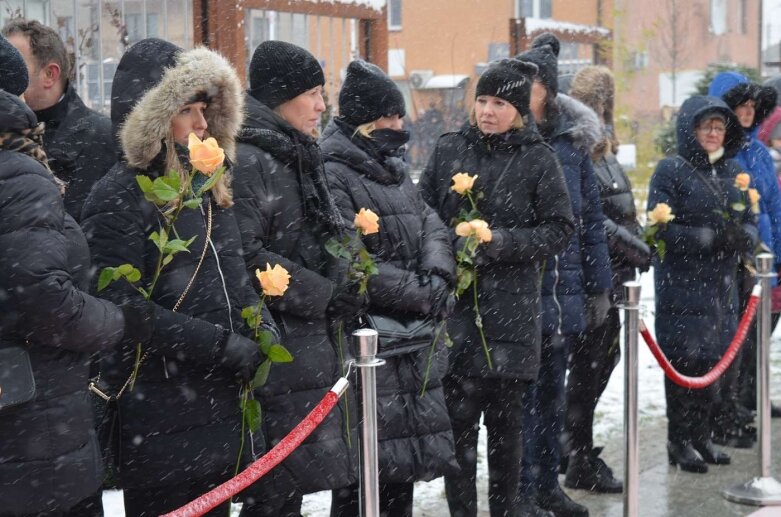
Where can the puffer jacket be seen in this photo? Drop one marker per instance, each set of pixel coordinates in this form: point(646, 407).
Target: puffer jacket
point(583, 268)
point(49, 457)
point(415, 440)
point(526, 204)
point(276, 230)
point(695, 284)
point(182, 419)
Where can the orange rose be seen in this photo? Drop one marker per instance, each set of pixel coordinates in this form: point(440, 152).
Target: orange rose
point(274, 281)
point(754, 197)
point(367, 221)
point(463, 182)
point(206, 156)
point(463, 229)
point(661, 214)
point(481, 230)
point(742, 181)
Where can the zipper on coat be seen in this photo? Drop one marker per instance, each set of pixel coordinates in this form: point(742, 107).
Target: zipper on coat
point(555, 285)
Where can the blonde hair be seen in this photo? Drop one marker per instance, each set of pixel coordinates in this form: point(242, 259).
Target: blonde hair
point(221, 191)
point(366, 130)
point(517, 122)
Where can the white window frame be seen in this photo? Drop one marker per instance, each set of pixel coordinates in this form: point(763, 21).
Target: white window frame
point(391, 25)
point(536, 8)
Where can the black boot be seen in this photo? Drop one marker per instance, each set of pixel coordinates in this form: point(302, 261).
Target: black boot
point(529, 509)
point(560, 504)
point(589, 472)
point(710, 453)
point(742, 437)
point(684, 455)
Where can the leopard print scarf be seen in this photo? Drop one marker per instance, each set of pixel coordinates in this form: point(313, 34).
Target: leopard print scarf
point(30, 142)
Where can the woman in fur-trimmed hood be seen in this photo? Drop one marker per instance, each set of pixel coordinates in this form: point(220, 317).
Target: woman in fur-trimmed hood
point(179, 428)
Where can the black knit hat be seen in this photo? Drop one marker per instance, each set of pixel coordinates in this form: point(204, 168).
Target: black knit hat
point(511, 80)
point(368, 94)
point(281, 71)
point(13, 71)
point(545, 54)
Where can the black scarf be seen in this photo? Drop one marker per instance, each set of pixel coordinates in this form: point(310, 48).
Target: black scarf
point(302, 154)
point(386, 147)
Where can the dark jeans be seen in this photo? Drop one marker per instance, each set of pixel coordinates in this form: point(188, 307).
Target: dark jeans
point(543, 418)
point(591, 362)
point(285, 505)
point(155, 501)
point(395, 500)
point(89, 507)
point(689, 411)
point(501, 401)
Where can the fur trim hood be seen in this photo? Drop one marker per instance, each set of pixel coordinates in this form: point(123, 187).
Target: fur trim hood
point(195, 72)
point(578, 122)
point(594, 86)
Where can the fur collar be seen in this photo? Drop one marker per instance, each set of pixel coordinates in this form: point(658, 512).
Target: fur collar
point(197, 70)
point(579, 123)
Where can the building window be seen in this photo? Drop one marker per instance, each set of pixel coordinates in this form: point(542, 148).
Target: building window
point(743, 16)
point(396, 62)
point(394, 15)
point(533, 9)
point(718, 16)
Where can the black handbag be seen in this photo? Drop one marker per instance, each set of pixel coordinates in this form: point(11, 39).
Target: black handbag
point(400, 333)
point(17, 384)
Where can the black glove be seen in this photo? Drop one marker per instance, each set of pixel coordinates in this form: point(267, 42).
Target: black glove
point(241, 355)
point(139, 322)
point(441, 298)
point(346, 302)
point(597, 307)
point(733, 238)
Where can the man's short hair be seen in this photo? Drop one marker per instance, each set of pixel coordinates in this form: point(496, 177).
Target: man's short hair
point(45, 44)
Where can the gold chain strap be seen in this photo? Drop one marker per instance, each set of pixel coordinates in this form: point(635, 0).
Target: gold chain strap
point(92, 385)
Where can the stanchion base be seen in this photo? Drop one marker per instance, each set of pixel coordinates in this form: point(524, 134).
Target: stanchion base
point(757, 492)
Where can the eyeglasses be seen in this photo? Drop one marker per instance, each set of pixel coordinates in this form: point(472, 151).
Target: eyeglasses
point(706, 130)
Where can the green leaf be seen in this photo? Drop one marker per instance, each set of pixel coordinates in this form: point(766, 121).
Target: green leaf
point(145, 183)
point(176, 246)
point(265, 340)
point(252, 415)
point(193, 203)
point(125, 269)
point(105, 278)
point(448, 340)
point(738, 207)
point(465, 277)
point(247, 312)
point(261, 376)
point(214, 178)
point(167, 259)
point(160, 239)
point(134, 276)
point(661, 249)
point(279, 354)
point(166, 188)
point(337, 249)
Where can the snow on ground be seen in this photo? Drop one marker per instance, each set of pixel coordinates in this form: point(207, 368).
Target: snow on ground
point(609, 421)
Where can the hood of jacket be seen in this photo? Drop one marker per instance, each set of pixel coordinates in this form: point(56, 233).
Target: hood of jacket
point(194, 72)
point(15, 115)
point(766, 128)
point(690, 114)
point(579, 123)
point(735, 88)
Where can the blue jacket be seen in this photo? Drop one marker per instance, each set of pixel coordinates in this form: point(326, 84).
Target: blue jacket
point(696, 285)
point(754, 158)
point(584, 266)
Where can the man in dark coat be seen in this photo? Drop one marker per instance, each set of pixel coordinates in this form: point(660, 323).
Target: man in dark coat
point(49, 459)
point(287, 214)
point(576, 282)
point(78, 141)
point(526, 204)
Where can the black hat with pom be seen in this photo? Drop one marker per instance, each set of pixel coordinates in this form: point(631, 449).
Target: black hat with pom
point(511, 80)
point(13, 71)
point(545, 54)
point(368, 94)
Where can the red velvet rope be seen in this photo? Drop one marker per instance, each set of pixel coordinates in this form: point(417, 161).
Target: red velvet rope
point(271, 459)
point(710, 377)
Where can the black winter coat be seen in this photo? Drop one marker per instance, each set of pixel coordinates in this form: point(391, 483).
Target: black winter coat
point(624, 233)
point(696, 286)
point(275, 230)
point(527, 207)
point(583, 267)
point(79, 144)
point(182, 421)
point(415, 440)
point(49, 458)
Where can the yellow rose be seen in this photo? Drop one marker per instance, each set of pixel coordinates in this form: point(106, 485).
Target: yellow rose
point(481, 230)
point(463, 182)
point(661, 214)
point(274, 281)
point(367, 221)
point(463, 229)
point(205, 156)
point(742, 181)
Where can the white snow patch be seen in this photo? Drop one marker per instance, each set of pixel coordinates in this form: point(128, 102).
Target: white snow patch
point(548, 24)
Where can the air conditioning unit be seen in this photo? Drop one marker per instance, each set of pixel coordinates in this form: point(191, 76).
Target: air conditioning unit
point(419, 78)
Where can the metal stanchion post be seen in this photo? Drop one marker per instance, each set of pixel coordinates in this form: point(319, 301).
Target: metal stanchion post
point(763, 490)
point(365, 350)
point(631, 308)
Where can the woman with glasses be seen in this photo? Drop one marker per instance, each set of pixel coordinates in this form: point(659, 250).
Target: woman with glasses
point(696, 278)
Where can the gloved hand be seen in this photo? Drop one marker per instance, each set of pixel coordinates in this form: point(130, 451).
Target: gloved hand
point(139, 323)
point(346, 302)
point(241, 355)
point(597, 307)
point(441, 298)
point(733, 238)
